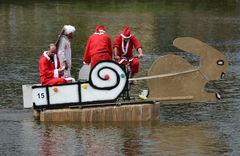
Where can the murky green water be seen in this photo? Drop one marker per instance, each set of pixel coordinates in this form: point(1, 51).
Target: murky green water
point(27, 27)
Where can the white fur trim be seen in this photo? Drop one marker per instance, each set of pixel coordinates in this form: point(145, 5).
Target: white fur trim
point(68, 29)
point(100, 32)
point(46, 55)
point(70, 79)
point(55, 61)
point(125, 36)
point(48, 58)
point(120, 62)
point(125, 48)
point(55, 73)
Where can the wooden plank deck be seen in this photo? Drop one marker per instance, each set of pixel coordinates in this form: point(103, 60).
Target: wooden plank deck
point(129, 112)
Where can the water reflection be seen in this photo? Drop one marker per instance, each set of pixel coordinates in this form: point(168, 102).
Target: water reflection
point(189, 139)
point(123, 139)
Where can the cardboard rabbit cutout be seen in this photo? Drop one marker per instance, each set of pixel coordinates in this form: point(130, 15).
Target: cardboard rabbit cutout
point(183, 82)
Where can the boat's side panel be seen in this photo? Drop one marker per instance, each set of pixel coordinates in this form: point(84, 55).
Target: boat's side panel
point(27, 94)
point(63, 94)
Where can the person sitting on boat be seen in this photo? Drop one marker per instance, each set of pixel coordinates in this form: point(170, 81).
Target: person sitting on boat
point(123, 45)
point(98, 47)
point(64, 49)
point(49, 67)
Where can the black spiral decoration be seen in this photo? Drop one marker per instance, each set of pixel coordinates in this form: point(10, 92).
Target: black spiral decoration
point(107, 75)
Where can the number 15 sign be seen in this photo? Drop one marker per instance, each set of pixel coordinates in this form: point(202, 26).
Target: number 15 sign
point(39, 96)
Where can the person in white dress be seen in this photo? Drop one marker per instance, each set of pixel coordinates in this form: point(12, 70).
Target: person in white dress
point(64, 49)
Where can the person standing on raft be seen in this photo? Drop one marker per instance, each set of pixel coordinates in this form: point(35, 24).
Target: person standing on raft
point(98, 47)
point(64, 50)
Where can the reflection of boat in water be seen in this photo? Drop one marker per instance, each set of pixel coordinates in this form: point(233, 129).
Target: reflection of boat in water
point(171, 79)
point(187, 139)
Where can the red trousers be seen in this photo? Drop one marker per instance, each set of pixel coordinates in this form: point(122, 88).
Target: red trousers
point(134, 64)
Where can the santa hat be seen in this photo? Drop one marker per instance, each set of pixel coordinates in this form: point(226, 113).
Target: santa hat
point(100, 29)
point(126, 33)
point(68, 29)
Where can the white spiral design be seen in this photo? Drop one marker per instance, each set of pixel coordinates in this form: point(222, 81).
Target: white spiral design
point(107, 75)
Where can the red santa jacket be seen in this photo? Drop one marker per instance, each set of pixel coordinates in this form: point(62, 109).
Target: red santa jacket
point(124, 46)
point(49, 70)
point(97, 43)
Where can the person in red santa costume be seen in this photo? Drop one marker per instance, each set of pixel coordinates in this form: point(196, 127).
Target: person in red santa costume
point(49, 67)
point(123, 47)
point(98, 47)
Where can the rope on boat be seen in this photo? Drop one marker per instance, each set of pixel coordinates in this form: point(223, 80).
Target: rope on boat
point(163, 75)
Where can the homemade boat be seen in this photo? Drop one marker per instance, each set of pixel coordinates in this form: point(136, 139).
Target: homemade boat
point(94, 100)
point(104, 96)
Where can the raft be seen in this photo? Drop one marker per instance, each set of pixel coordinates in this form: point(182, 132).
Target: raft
point(146, 111)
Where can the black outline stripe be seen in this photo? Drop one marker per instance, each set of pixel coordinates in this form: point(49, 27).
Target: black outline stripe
point(79, 93)
point(48, 97)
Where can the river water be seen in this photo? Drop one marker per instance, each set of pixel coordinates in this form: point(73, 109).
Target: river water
point(27, 27)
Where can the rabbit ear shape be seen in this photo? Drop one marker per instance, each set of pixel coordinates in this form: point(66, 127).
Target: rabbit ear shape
point(212, 63)
point(194, 46)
